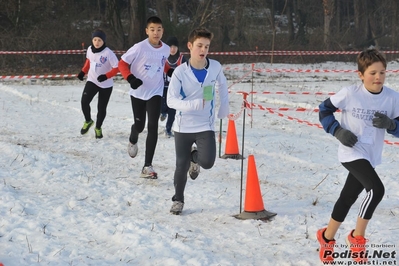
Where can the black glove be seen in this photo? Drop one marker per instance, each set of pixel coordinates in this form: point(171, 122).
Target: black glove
point(102, 78)
point(383, 121)
point(134, 82)
point(345, 136)
point(170, 72)
point(81, 75)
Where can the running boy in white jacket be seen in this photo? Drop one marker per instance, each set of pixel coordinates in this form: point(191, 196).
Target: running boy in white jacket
point(192, 93)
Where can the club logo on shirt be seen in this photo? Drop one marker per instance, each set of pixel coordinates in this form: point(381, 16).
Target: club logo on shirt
point(103, 59)
point(163, 61)
point(365, 114)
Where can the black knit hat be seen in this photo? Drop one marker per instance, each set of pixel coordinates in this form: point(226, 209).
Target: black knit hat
point(172, 41)
point(99, 34)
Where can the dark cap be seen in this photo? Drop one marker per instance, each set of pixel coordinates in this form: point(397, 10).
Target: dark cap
point(172, 41)
point(99, 34)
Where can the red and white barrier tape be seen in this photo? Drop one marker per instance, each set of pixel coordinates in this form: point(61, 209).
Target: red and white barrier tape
point(38, 76)
point(286, 109)
point(239, 80)
point(237, 115)
point(290, 70)
point(316, 52)
point(256, 70)
point(272, 111)
point(391, 143)
point(290, 92)
point(253, 53)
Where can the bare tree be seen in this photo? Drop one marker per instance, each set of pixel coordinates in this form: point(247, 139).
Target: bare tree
point(114, 17)
point(289, 13)
point(328, 6)
point(301, 17)
point(175, 17)
point(206, 12)
point(162, 10)
point(238, 24)
point(395, 21)
point(138, 15)
point(362, 27)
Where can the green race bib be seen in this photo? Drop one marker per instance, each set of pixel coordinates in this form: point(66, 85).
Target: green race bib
point(208, 93)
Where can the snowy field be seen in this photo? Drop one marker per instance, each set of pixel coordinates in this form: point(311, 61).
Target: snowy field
point(68, 199)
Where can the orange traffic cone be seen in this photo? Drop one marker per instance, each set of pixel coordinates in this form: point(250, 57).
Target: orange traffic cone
point(253, 207)
point(231, 150)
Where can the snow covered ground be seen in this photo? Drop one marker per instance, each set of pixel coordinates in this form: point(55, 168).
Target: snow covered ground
point(68, 199)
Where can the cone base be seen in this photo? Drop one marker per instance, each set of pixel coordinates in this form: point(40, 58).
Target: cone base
point(262, 215)
point(232, 156)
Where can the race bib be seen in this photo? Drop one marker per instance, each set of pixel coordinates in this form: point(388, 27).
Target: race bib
point(208, 93)
point(368, 135)
point(152, 70)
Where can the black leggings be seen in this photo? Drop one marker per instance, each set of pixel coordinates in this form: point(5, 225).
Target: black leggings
point(90, 90)
point(205, 157)
point(166, 110)
point(361, 176)
point(141, 109)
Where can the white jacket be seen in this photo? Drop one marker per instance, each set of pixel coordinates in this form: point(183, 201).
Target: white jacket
point(186, 94)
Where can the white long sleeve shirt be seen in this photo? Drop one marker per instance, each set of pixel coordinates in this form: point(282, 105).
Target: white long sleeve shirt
point(186, 94)
point(358, 107)
point(147, 63)
point(101, 63)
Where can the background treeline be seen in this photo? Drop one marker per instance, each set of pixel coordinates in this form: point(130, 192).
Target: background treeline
point(239, 25)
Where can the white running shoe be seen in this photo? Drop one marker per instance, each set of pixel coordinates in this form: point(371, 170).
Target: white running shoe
point(132, 149)
point(177, 207)
point(148, 172)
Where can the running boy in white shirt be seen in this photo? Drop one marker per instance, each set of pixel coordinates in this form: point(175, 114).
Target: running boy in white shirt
point(143, 67)
point(368, 110)
point(101, 66)
point(191, 92)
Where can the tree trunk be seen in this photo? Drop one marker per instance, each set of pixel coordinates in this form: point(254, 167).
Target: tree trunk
point(113, 17)
point(291, 28)
point(162, 10)
point(18, 14)
point(238, 23)
point(395, 21)
point(362, 28)
point(301, 34)
point(137, 21)
point(328, 6)
point(338, 15)
point(175, 17)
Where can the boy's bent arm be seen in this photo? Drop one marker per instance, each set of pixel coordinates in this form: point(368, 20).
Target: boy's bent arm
point(395, 132)
point(112, 72)
point(223, 96)
point(86, 66)
point(124, 68)
point(327, 118)
point(176, 101)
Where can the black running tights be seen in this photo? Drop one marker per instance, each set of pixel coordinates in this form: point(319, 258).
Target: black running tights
point(361, 176)
point(90, 90)
point(141, 109)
